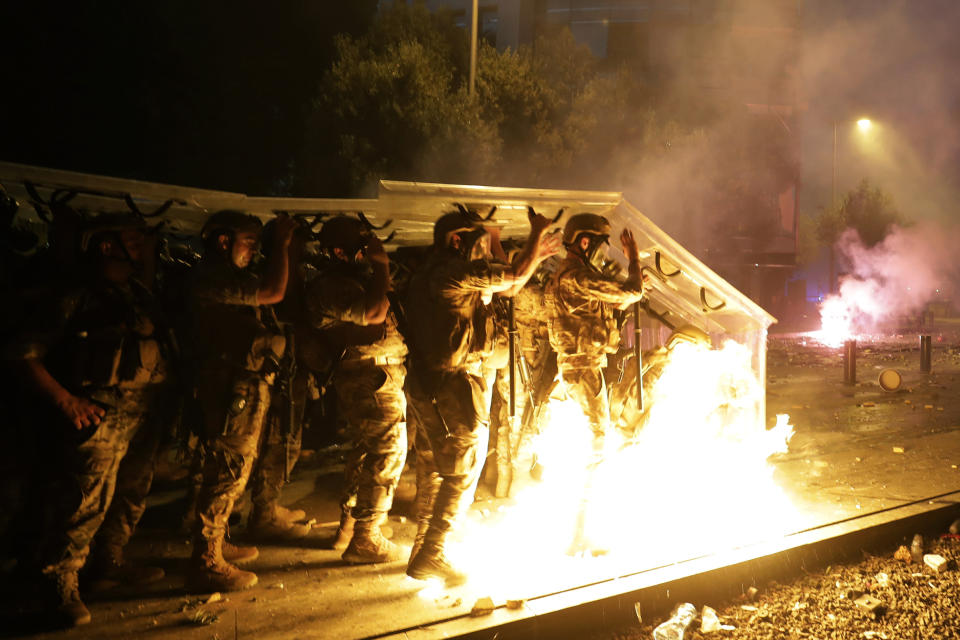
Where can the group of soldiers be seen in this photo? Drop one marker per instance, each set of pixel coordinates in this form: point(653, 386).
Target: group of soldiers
point(241, 342)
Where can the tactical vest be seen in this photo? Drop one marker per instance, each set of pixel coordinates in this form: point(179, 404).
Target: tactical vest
point(111, 340)
point(579, 324)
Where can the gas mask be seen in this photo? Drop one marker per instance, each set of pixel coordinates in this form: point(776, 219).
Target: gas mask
point(596, 252)
point(475, 244)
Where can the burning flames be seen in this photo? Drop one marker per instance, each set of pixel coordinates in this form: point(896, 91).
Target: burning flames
point(694, 480)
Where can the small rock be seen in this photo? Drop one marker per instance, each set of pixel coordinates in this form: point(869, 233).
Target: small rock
point(936, 562)
point(898, 449)
point(883, 580)
point(709, 621)
point(214, 597)
point(519, 604)
point(903, 554)
point(869, 604)
point(482, 607)
point(751, 594)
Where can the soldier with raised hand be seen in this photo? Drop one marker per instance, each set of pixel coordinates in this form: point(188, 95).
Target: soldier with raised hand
point(347, 301)
point(450, 332)
point(98, 365)
point(583, 327)
point(237, 356)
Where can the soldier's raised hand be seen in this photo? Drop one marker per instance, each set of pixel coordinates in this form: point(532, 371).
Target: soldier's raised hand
point(539, 223)
point(375, 251)
point(80, 412)
point(549, 246)
point(285, 226)
point(629, 243)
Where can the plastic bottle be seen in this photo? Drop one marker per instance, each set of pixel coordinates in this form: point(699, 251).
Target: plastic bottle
point(676, 626)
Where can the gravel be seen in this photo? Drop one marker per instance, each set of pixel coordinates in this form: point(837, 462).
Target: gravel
point(915, 602)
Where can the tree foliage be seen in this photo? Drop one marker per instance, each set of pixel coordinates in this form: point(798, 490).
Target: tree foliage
point(867, 209)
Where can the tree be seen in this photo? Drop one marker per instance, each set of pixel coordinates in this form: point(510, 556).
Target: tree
point(868, 210)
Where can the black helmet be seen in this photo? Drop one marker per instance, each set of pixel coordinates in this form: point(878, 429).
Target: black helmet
point(109, 223)
point(231, 221)
point(346, 233)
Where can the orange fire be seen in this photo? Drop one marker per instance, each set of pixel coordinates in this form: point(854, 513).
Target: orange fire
point(695, 479)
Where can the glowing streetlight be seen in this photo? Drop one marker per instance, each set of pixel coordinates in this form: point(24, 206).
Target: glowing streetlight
point(864, 124)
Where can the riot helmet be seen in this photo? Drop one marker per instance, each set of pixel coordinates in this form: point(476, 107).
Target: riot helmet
point(231, 222)
point(114, 227)
point(346, 233)
point(460, 222)
point(597, 229)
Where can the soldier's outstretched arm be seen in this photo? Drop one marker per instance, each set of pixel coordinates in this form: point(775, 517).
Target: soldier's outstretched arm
point(537, 248)
point(274, 284)
point(377, 302)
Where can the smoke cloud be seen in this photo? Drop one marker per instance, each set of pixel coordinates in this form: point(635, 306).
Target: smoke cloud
point(899, 276)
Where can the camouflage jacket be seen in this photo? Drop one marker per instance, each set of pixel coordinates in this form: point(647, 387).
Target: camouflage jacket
point(582, 303)
point(450, 325)
point(228, 325)
point(336, 305)
point(98, 335)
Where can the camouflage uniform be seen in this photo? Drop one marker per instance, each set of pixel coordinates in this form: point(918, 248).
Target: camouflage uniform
point(583, 330)
point(368, 381)
point(234, 349)
point(100, 342)
point(452, 331)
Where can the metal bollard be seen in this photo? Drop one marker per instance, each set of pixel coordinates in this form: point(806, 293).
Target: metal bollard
point(850, 362)
point(926, 345)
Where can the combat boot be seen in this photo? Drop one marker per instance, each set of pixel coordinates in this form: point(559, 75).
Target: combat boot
point(268, 524)
point(344, 532)
point(236, 554)
point(368, 546)
point(70, 610)
point(430, 562)
point(210, 572)
point(417, 541)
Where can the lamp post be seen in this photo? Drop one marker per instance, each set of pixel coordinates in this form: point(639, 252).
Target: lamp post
point(864, 124)
point(473, 45)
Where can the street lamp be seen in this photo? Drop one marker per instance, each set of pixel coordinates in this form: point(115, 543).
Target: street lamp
point(864, 125)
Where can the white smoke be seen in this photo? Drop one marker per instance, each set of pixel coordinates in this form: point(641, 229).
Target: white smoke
point(911, 267)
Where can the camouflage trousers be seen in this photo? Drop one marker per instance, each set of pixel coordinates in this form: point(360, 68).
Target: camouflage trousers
point(372, 402)
point(234, 405)
point(279, 447)
point(451, 446)
point(85, 476)
point(584, 382)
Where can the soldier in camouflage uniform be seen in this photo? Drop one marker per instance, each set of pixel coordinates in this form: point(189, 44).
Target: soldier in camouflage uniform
point(451, 331)
point(237, 362)
point(583, 328)
point(95, 357)
point(348, 302)
point(282, 434)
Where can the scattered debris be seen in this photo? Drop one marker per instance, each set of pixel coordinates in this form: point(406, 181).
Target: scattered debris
point(916, 548)
point(898, 450)
point(869, 604)
point(519, 604)
point(875, 635)
point(936, 562)
point(214, 597)
point(636, 609)
point(277, 585)
point(903, 554)
point(751, 594)
point(709, 621)
point(448, 601)
point(882, 579)
point(482, 607)
point(203, 617)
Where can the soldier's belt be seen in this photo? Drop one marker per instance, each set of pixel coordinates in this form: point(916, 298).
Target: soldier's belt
point(379, 361)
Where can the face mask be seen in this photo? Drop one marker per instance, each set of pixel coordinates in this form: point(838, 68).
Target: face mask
point(597, 252)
